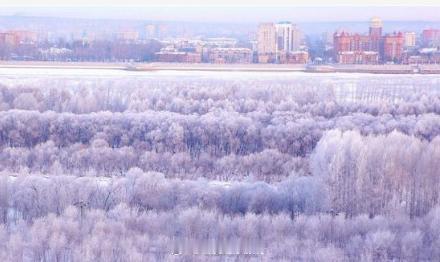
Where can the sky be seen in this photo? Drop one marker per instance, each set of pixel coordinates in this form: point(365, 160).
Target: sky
point(217, 2)
point(228, 10)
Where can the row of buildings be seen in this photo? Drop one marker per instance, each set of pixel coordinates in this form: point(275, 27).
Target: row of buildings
point(282, 43)
point(220, 50)
point(16, 37)
point(216, 55)
point(376, 47)
point(275, 43)
point(372, 48)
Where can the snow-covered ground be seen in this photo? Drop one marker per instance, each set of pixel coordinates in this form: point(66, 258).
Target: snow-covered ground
point(345, 86)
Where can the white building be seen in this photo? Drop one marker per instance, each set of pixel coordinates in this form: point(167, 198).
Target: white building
point(410, 39)
point(288, 37)
point(275, 41)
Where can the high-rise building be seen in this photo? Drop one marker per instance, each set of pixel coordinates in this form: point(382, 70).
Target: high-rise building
point(393, 47)
point(376, 26)
point(296, 38)
point(288, 37)
point(277, 43)
point(266, 43)
point(410, 39)
point(375, 34)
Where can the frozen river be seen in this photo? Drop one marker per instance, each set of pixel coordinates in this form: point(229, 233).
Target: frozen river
point(345, 86)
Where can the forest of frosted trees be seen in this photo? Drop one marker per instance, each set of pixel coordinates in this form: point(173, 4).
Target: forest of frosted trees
point(216, 166)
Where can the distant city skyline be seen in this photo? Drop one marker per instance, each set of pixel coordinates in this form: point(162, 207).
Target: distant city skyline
point(235, 14)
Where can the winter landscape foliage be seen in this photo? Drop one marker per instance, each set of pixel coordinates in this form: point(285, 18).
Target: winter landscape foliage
point(172, 166)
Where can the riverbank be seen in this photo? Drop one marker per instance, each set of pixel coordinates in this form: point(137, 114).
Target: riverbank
point(62, 65)
point(336, 68)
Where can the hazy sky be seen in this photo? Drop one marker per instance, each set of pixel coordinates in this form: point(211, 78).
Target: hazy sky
point(228, 10)
point(218, 2)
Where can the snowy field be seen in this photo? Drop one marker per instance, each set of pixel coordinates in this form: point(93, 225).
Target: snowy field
point(218, 166)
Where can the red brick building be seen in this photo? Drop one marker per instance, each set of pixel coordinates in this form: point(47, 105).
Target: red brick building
point(354, 49)
point(341, 42)
point(393, 47)
point(431, 37)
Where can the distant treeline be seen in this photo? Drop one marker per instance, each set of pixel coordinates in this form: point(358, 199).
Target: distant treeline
point(95, 51)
